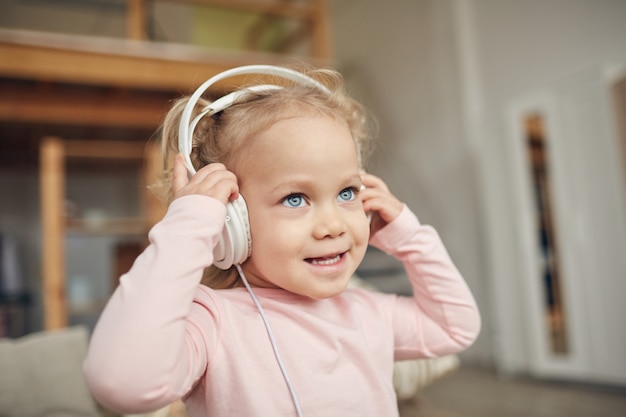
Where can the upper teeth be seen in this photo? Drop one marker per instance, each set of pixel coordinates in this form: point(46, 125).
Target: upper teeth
point(327, 261)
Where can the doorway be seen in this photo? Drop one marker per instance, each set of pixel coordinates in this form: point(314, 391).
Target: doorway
point(569, 209)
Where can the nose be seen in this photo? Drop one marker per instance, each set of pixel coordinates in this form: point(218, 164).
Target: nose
point(329, 222)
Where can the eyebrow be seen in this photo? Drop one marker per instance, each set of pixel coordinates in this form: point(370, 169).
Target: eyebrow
point(291, 185)
point(295, 185)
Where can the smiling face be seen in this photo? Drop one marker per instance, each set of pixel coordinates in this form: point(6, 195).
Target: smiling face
point(300, 179)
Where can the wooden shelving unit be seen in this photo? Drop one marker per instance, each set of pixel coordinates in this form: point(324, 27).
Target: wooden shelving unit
point(54, 154)
point(136, 62)
point(49, 80)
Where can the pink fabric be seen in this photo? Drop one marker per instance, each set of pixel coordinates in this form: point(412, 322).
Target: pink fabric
point(163, 336)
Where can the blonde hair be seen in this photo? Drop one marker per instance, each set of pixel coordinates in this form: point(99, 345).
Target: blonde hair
point(221, 137)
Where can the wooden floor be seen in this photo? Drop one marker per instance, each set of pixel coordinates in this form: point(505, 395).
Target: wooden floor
point(471, 392)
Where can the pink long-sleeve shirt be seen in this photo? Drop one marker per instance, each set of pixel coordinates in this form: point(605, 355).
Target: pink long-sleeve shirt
point(163, 336)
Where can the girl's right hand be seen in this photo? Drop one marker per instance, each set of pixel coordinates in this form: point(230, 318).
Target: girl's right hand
point(212, 180)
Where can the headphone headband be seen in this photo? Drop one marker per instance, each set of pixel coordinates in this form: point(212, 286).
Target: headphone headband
point(187, 126)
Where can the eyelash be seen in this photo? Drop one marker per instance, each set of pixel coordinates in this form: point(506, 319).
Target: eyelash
point(354, 192)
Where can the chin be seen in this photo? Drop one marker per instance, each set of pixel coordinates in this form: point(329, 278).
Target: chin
point(329, 291)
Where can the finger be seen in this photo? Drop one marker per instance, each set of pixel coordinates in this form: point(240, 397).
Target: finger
point(206, 172)
point(222, 185)
point(214, 181)
point(382, 202)
point(372, 181)
point(386, 209)
point(368, 194)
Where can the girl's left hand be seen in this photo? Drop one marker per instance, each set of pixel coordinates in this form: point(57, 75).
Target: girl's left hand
point(378, 201)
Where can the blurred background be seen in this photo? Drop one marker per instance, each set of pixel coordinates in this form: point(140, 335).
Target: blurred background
point(502, 123)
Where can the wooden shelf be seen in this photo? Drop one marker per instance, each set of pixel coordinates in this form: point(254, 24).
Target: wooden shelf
point(110, 227)
point(56, 82)
point(56, 57)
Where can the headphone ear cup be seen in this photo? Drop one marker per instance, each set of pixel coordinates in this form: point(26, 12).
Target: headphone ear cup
point(235, 244)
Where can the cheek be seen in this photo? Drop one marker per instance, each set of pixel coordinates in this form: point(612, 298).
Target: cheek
point(272, 237)
point(360, 234)
point(361, 228)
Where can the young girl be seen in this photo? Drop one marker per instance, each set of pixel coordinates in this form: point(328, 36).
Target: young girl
point(278, 333)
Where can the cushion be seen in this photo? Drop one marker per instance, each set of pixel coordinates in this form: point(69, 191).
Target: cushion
point(41, 375)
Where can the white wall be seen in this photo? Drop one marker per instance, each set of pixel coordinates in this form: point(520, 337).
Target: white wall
point(439, 74)
point(526, 48)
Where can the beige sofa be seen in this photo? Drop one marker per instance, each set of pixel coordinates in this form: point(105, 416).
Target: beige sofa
point(41, 376)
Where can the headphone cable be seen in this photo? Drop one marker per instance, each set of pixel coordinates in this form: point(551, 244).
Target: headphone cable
point(270, 334)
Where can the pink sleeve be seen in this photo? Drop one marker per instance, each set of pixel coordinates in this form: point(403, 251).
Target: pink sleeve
point(143, 354)
point(442, 316)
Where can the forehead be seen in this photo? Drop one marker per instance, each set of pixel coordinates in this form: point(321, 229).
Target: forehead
point(310, 145)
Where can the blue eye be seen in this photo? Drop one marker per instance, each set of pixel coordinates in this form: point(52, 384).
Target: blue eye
point(347, 194)
point(294, 200)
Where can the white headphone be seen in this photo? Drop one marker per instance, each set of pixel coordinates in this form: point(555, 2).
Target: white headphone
point(235, 244)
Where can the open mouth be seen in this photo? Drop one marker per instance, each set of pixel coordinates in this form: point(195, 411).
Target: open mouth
point(327, 260)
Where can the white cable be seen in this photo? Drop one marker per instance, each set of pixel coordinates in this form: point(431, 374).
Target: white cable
point(292, 391)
